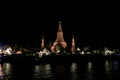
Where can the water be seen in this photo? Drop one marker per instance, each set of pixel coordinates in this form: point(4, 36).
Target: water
point(84, 70)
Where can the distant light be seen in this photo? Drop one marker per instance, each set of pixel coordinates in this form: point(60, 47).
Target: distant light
point(19, 52)
point(8, 51)
point(1, 51)
point(78, 49)
point(82, 52)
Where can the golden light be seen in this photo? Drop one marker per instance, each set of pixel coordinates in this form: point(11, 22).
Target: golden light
point(19, 52)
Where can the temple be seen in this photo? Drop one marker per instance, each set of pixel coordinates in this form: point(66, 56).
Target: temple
point(73, 49)
point(42, 42)
point(59, 40)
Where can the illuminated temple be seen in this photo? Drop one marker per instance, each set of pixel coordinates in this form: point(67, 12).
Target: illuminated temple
point(73, 49)
point(42, 42)
point(59, 46)
point(60, 39)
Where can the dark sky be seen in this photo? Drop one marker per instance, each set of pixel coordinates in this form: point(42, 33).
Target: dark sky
point(92, 24)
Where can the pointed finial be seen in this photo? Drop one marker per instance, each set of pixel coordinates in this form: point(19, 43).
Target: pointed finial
point(42, 37)
point(59, 22)
point(72, 36)
point(73, 39)
point(60, 26)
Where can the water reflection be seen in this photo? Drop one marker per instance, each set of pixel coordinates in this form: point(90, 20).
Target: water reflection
point(5, 71)
point(108, 66)
point(59, 71)
point(89, 66)
point(114, 71)
point(73, 70)
point(43, 71)
point(115, 66)
point(89, 70)
point(108, 69)
point(1, 72)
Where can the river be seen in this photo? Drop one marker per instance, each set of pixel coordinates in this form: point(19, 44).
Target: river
point(84, 70)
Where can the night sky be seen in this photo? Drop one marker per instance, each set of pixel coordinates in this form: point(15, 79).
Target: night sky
point(91, 24)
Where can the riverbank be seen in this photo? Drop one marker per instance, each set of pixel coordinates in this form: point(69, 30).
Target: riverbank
point(57, 58)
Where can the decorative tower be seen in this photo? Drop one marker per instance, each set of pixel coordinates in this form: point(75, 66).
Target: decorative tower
point(42, 42)
point(73, 49)
point(59, 40)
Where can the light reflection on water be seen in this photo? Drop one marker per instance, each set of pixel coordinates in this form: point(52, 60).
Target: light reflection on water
point(108, 69)
point(88, 70)
point(5, 71)
point(73, 70)
point(43, 71)
point(1, 72)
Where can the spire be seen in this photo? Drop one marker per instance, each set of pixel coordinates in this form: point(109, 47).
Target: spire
point(60, 26)
point(42, 42)
point(73, 38)
point(73, 45)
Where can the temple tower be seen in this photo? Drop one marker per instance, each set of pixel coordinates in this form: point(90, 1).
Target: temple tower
point(59, 40)
point(73, 49)
point(42, 42)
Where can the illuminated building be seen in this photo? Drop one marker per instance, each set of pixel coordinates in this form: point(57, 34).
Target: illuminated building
point(43, 51)
point(42, 42)
point(59, 40)
point(73, 49)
